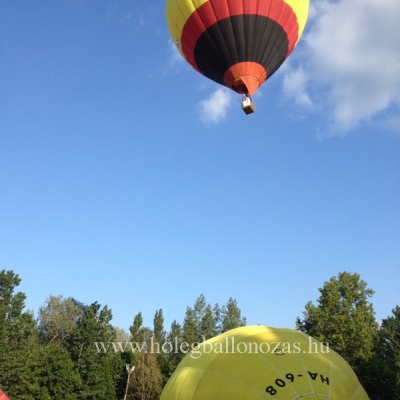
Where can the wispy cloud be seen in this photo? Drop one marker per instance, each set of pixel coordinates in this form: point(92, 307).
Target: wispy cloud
point(351, 62)
point(174, 57)
point(214, 109)
point(294, 86)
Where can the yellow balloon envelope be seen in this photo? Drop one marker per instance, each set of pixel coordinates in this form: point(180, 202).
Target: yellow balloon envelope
point(259, 363)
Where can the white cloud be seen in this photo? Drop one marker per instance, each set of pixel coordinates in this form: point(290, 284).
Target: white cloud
point(294, 86)
point(175, 58)
point(214, 109)
point(391, 123)
point(351, 62)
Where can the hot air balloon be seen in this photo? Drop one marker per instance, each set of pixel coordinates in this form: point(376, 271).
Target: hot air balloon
point(259, 363)
point(236, 43)
point(3, 396)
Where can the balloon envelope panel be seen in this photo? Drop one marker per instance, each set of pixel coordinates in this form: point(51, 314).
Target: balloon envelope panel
point(258, 363)
point(3, 396)
point(236, 43)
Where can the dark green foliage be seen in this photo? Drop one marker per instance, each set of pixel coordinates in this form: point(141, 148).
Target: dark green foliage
point(136, 328)
point(382, 373)
point(16, 326)
point(50, 375)
point(17, 334)
point(231, 316)
point(56, 356)
point(158, 327)
point(344, 317)
point(203, 321)
point(217, 315)
point(60, 356)
point(160, 339)
point(191, 330)
point(94, 367)
point(174, 357)
point(390, 339)
point(208, 323)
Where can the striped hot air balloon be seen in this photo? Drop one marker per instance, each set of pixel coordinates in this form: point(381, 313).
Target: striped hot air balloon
point(236, 43)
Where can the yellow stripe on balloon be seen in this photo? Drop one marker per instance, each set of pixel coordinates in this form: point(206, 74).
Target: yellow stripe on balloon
point(300, 8)
point(178, 12)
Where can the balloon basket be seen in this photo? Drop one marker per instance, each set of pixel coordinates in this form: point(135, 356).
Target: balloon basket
point(248, 105)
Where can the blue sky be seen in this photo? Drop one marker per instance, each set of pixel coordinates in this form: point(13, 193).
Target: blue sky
point(128, 179)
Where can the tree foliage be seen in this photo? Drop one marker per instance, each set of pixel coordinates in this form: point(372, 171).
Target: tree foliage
point(57, 319)
point(390, 339)
point(50, 375)
point(94, 367)
point(344, 317)
point(202, 321)
point(174, 357)
point(55, 357)
point(147, 379)
point(231, 316)
point(17, 332)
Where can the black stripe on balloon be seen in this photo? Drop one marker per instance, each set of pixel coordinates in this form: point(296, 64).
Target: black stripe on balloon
point(241, 38)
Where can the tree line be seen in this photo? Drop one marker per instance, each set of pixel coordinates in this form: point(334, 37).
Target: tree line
point(66, 352)
point(55, 357)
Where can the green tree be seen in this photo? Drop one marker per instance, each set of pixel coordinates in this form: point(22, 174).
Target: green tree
point(380, 375)
point(217, 314)
point(136, 329)
point(195, 324)
point(203, 321)
point(232, 316)
point(17, 334)
point(96, 368)
point(390, 332)
point(208, 328)
point(124, 358)
point(50, 375)
point(174, 356)
point(200, 322)
point(160, 339)
point(344, 317)
point(16, 326)
point(158, 327)
point(146, 380)
point(57, 319)
point(121, 335)
point(190, 333)
point(199, 309)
